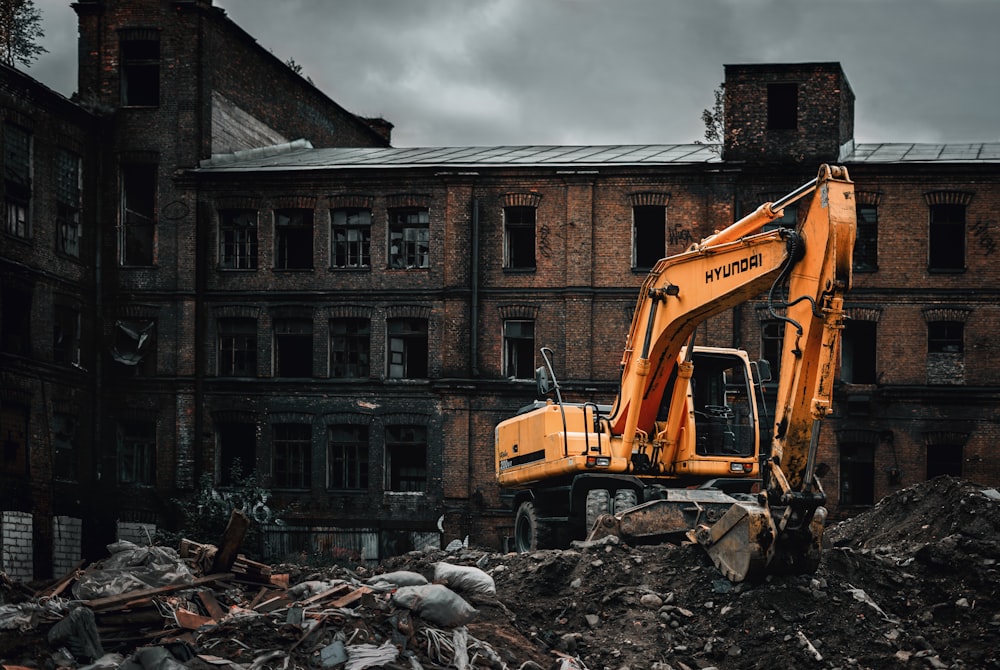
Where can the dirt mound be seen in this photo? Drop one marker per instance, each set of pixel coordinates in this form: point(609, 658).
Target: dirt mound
point(912, 583)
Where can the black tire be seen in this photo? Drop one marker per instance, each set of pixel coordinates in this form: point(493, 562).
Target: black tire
point(624, 499)
point(530, 533)
point(598, 503)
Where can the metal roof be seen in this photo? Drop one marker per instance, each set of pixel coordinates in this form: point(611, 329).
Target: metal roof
point(300, 155)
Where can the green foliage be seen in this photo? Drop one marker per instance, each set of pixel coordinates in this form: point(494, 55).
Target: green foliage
point(715, 120)
point(20, 30)
point(203, 516)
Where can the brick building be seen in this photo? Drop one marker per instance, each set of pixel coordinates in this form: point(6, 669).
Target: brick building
point(263, 280)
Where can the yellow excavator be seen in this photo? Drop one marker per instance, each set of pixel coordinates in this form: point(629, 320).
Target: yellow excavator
point(685, 450)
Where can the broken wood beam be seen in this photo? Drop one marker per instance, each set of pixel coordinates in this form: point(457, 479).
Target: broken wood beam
point(109, 602)
point(232, 538)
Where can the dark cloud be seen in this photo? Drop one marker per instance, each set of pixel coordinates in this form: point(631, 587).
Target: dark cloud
point(489, 72)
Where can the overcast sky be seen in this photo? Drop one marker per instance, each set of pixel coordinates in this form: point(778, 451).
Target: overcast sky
point(503, 72)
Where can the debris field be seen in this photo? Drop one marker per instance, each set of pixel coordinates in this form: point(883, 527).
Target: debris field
point(910, 583)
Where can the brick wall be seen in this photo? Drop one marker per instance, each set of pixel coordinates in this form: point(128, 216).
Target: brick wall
point(17, 546)
point(136, 532)
point(67, 536)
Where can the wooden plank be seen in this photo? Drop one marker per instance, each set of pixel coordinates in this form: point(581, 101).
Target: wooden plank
point(60, 585)
point(190, 620)
point(323, 595)
point(257, 598)
point(212, 605)
point(109, 602)
point(351, 597)
point(232, 538)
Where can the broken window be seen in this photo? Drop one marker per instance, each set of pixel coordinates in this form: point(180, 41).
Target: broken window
point(66, 335)
point(137, 452)
point(293, 239)
point(772, 335)
point(350, 342)
point(519, 238)
point(866, 244)
point(64, 450)
point(407, 357)
point(351, 238)
point(945, 337)
point(406, 458)
point(944, 459)
point(782, 106)
point(857, 474)
point(134, 348)
point(293, 350)
point(858, 352)
point(138, 215)
point(347, 457)
point(409, 238)
point(519, 349)
point(237, 348)
point(68, 190)
point(13, 439)
point(238, 239)
point(649, 235)
point(17, 180)
point(947, 238)
point(292, 455)
point(15, 321)
point(237, 451)
point(140, 72)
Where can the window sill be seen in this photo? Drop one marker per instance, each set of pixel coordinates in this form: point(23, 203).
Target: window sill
point(946, 271)
point(519, 271)
point(292, 270)
point(405, 494)
point(360, 268)
point(225, 269)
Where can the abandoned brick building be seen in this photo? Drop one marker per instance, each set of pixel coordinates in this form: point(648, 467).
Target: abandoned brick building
point(198, 272)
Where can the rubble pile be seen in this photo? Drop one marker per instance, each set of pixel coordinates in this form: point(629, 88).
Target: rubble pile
point(911, 583)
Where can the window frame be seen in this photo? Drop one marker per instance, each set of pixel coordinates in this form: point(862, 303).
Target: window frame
point(645, 219)
point(18, 160)
point(516, 346)
point(413, 364)
point(947, 247)
point(348, 253)
point(67, 330)
point(293, 347)
point(942, 334)
point(519, 237)
point(857, 466)
point(783, 106)
point(137, 212)
point(866, 245)
point(409, 238)
point(232, 332)
point(238, 240)
point(348, 457)
point(231, 442)
point(350, 349)
point(397, 446)
point(137, 68)
point(293, 227)
point(859, 338)
point(69, 194)
point(137, 452)
point(291, 455)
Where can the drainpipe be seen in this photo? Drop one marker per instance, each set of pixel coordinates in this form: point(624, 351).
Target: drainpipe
point(474, 285)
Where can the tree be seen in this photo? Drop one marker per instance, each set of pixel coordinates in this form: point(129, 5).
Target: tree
point(20, 30)
point(715, 127)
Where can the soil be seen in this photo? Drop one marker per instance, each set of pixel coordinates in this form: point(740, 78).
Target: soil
point(911, 583)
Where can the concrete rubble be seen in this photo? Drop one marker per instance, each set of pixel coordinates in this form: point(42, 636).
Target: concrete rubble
point(910, 583)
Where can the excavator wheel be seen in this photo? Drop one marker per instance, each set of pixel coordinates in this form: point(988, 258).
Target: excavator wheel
point(624, 499)
point(598, 504)
point(530, 532)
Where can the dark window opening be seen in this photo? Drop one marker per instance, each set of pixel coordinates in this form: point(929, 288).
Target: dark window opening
point(350, 342)
point(137, 452)
point(15, 321)
point(293, 232)
point(64, 449)
point(134, 348)
point(68, 190)
point(649, 235)
point(238, 239)
point(292, 455)
point(237, 452)
point(519, 349)
point(866, 244)
point(945, 337)
point(138, 214)
point(406, 458)
point(237, 348)
point(14, 439)
point(944, 459)
point(407, 349)
point(858, 352)
point(519, 230)
point(351, 237)
point(946, 241)
point(66, 335)
point(789, 219)
point(409, 238)
point(17, 180)
point(782, 106)
point(140, 73)
point(293, 350)
point(348, 457)
point(857, 474)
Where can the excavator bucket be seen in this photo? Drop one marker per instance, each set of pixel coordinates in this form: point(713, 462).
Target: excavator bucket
point(741, 543)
